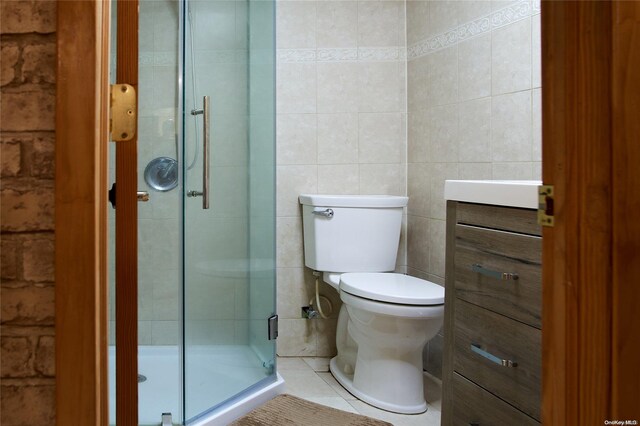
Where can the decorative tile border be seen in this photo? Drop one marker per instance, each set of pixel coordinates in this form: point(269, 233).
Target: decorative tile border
point(500, 18)
point(362, 54)
point(205, 57)
point(233, 56)
point(336, 55)
point(379, 54)
point(296, 55)
point(145, 58)
point(160, 59)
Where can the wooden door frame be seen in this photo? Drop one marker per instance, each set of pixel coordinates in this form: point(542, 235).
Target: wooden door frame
point(576, 116)
point(81, 212)
point(591, 258)
point(590, 332)
point(625, 321)
point(126, 229)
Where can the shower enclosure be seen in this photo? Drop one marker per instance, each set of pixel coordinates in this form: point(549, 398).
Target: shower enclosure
point(206, 234)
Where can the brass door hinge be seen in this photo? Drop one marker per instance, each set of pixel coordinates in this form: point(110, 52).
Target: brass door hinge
point(122, 122)
point(545, 205)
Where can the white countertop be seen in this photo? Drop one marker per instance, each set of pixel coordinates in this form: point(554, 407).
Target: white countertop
point(511, 193)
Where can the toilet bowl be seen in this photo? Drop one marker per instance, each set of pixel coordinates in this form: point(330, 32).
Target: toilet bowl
point(385, 321)
point(386, 318)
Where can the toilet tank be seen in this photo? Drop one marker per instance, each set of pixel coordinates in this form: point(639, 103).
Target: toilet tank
point(351, 233)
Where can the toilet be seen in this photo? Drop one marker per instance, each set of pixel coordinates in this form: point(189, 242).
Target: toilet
point(386, 318)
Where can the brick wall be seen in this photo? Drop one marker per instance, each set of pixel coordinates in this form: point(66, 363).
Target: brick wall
point(27, 123)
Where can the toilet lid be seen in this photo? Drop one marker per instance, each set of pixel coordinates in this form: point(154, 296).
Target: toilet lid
point(392, 288)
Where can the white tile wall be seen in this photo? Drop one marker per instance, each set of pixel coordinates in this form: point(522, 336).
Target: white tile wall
point(511, 127)
point(357, 113)
point(381, 138)
point(296, 88)
point(474, 67)
point(341, 115)
point(442, 80)
point(293, 181)
point(473, 109)
point(417, 17)
point(418, 177)
point(296, 24)
point(339, 179)
point(338, 87)
point(479, 117)
point(338, 139)
point(470, 10)
point(379, 23)
point(511, 58)
point(443, 15)
point(443, 133)
point(296, 135)
point(475, 131)
point(335, 24)
point(379, 88)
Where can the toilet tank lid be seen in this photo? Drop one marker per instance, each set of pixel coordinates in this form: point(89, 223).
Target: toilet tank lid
point(370, 201)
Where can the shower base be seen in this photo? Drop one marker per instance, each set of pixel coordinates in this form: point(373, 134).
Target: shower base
point(213, 374)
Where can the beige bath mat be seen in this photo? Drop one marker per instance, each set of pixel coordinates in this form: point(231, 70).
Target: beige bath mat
point(287, 410)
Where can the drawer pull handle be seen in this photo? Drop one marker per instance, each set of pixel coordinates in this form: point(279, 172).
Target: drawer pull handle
point(505, 276)
point(503, 362)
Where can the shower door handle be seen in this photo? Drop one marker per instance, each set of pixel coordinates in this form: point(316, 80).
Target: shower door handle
point(206, 133)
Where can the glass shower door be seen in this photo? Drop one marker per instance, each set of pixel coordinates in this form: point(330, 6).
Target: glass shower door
point(229, 232)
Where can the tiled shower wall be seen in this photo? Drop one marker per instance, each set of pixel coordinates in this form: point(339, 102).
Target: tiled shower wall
point(473, 113)
point(341, 129)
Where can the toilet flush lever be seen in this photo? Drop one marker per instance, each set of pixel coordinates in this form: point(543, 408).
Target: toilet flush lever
point(328, 213)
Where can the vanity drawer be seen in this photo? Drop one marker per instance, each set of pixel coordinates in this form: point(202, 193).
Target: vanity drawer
point(472, 405)
point(523, 221)
point(481, 255)
point(482, 339)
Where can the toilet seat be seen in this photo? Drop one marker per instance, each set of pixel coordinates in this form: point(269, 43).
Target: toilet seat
point(392, 288)
point(392, 309)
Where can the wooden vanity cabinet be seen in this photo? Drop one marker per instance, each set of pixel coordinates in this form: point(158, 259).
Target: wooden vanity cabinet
point(492, 352)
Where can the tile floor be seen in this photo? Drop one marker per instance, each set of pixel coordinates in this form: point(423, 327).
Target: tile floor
point(310, 379)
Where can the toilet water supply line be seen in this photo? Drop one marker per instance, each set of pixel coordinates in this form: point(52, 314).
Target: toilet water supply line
point(317, 298)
